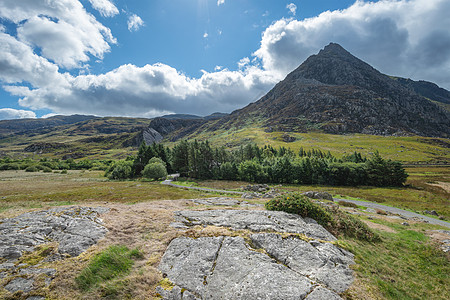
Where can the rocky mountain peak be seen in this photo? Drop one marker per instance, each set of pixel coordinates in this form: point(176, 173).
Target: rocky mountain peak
point(337, 92)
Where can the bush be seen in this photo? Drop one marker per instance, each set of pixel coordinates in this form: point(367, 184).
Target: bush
point(333, 219)
point(9, 166)
point(155, 171)
point(298, 204)
point(120, 170)
point(157, 160)
point(31, 169)
point(347, 204)
point(46, 169)
point(350, 226)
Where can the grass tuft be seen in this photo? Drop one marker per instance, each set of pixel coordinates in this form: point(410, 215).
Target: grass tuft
point(116, 261)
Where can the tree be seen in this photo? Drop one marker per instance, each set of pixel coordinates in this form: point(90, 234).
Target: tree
point(155, 170)
point(120, 170)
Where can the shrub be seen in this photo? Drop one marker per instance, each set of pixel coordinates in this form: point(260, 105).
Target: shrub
point(333, 219)
point(155, 171)
point(9, 166)
point(46, 169)
point(350, 226)
point(301, 205)
point(347, 204)
point(113, 262)
point(31, 169)
point(157, 160)
point(64, 171)
point(120, 170)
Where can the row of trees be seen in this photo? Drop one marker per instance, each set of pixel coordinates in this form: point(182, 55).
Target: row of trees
point(265, 164)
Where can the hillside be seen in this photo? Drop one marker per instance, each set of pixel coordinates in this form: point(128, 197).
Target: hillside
point(27, 126)
point(106, 137)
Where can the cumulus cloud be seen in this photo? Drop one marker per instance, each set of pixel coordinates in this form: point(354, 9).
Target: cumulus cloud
point(134, 22)
point(205, 35)
point(62, 29)
point(292, 8)
point(105, 7)
point(11, 113)
point(220, 2)
point(152, 90)
point(396, 37)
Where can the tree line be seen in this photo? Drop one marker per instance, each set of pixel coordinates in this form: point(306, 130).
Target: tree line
point(198, 159)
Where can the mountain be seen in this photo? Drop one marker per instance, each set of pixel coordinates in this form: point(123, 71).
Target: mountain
point(335, 92)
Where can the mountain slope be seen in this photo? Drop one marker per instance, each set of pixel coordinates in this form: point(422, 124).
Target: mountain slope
point(335, 92)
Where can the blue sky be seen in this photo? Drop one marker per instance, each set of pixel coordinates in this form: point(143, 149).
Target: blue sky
point(149, 58)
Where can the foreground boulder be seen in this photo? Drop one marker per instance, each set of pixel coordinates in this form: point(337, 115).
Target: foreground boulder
point(295, 260)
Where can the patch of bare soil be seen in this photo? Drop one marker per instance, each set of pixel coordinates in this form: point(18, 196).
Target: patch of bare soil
point(443, 185)
point(377, 226)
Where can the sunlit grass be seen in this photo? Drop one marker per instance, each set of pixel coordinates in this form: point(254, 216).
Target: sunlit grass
point(405, 149)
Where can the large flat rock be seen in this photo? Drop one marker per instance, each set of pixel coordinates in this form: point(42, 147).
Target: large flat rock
point(272, 261)
point(228, 268)
point(255, 220)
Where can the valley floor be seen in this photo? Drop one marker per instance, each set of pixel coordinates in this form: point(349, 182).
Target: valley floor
point(407, 264)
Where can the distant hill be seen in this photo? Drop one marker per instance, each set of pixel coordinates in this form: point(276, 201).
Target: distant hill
point(335, 92)
point(8, 127)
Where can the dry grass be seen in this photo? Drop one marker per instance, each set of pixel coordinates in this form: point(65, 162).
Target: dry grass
point(21, 191)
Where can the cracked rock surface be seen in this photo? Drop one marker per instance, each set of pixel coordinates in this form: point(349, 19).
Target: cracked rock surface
point(260, 266)
point(255, 220)
point(74, 229)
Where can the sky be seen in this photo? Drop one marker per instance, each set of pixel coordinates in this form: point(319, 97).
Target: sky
point(150, 58)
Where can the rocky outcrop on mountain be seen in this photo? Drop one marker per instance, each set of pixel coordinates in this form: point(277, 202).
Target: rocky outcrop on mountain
point(338, 93)
point(161, 127)
point(426, 89)
point(258, 265)
point(37, 237)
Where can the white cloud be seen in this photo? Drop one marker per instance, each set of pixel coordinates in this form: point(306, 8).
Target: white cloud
point(151, 90)
point(292, 8)
point(205, 35)
point(396, 37)
point(220, 2)
point(134, 23)
point(19, 64)
point(11, 113)
point(105, 7)
point(62, 29)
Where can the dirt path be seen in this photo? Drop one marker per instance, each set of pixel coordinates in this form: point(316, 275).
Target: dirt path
point(170, 182)
point(394, 210)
